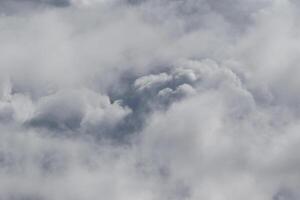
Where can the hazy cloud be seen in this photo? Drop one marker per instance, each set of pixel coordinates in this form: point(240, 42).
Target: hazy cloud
point(149, 99)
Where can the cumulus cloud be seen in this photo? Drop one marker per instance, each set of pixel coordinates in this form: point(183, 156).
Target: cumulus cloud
point(149, 99)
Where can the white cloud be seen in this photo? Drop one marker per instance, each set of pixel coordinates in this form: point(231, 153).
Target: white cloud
point(150, 99)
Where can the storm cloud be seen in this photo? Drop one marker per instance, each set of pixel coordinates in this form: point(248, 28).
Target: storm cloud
point(149, 99)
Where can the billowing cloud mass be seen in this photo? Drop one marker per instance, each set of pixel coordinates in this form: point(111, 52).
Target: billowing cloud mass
point(149, 99)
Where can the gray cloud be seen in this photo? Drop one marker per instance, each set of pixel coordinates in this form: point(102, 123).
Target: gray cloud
point(149, 99)
point(8, 7)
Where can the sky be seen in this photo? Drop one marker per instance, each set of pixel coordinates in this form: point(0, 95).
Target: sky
point(149, 99)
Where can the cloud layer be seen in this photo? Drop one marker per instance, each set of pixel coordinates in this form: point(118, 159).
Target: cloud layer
point(149, 99)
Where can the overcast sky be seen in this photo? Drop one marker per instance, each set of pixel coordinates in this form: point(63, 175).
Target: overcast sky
point(149, 99)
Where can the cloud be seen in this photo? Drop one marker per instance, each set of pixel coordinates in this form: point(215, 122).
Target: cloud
point(150, 99)
point(10, 7)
